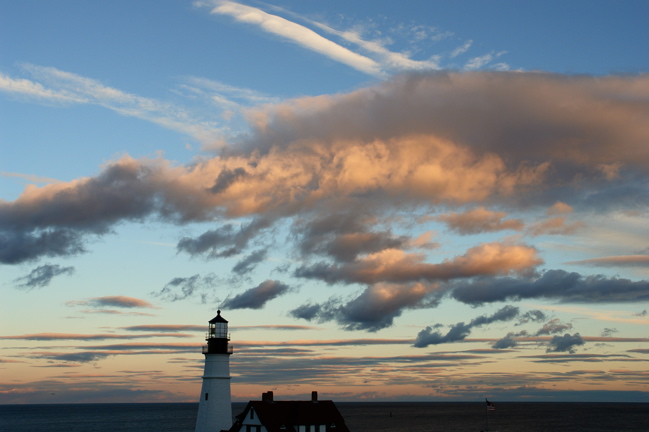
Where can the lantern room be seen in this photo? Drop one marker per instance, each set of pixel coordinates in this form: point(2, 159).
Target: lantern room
point(217, 336)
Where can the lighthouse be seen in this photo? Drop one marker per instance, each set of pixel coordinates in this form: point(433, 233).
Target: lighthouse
point(215, 407)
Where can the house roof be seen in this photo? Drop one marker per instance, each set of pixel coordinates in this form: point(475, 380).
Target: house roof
point(285, 416)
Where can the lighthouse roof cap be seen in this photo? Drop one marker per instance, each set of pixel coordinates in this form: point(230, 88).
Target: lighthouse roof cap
point(218, 318)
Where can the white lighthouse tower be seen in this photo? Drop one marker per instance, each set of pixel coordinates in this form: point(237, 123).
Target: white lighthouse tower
point(215, 408)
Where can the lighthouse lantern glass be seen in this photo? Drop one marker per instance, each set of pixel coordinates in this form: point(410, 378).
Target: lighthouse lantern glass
point(218, 330)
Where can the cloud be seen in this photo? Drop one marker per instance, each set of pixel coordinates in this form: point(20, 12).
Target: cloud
point(67, 88)
point(505, 343)
point(350, 174)
point(374, 309)
point(388, 60)
point(461, 49)
point(113, 301)
point(180, 288)
point(532, 315)
point(565, 343)
point(552, 284)
point(559, 208)
point(165, 327)
point(19, 247)
point(257, 297)
point(480, 220)
point(32, 89)
point(29, 178)
point(553, 326)
point(344, 236)
point(609, 331)
point(297, 34)
point(275, 327)
point(83, 357)
point(461, 330)
point(87, 337)
point(41, 276)
point(395, 266)
point(248, 263)
point(554, 226)
point(225, 241)
point(374, 148)
point(483, 60)
point(615, 261)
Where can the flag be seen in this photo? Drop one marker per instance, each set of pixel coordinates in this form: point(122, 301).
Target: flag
point(490, 406)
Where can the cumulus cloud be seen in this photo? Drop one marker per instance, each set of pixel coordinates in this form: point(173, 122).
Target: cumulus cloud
point(257, 297)
point(249, 262)
point(41, 276)
point(344, 236)
point(225, 241)
point(505, 343)
point(565, 343)
point(555, 226)
point(348, 174)
point(392, 265)
point(459, 331)
point(374, 309)
point(18, 247)
point(441, 147)
point(553, 326)
point(480, 220)
point(532, 315)
point(559, 208)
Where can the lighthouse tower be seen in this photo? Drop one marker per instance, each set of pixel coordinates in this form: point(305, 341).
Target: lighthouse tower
point(215, 407)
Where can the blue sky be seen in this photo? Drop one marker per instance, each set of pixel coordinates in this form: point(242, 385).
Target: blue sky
point(388, 201)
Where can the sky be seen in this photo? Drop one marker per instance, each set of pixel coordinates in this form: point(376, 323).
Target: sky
point(422, 201)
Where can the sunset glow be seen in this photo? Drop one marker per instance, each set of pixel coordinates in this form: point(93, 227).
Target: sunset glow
point(408, 202)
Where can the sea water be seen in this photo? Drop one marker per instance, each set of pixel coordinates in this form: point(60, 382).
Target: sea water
point(360, 417)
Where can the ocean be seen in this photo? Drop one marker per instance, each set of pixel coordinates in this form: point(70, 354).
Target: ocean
point(360, 417)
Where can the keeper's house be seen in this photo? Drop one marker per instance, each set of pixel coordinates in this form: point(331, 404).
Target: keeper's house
point(268, 415)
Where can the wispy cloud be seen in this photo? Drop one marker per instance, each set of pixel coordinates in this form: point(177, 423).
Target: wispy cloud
point(297, 34)
point(41, 276)
point(461, 49)
point(484, 60)
point(54, 85)
point(113, 301)
point(89, 337)
point(615, 261)
point(30, 178)
point(389, 60)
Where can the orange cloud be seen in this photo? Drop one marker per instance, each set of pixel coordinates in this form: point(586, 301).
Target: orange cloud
point(480, 220)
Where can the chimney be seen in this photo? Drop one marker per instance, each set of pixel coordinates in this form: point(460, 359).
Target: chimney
point(267, 397)
point(314, 396)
